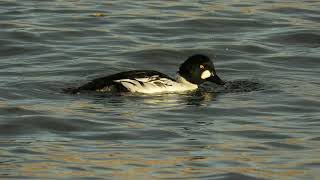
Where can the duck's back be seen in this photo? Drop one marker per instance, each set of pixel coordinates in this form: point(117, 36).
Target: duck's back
point(145, 81)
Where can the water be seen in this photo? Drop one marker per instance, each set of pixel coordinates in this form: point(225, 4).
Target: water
point(263, 125)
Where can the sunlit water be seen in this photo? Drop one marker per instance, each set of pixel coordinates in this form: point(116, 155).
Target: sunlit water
point(264, 124)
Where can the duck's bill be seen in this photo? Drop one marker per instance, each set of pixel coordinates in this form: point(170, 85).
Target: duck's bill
point(216, 79)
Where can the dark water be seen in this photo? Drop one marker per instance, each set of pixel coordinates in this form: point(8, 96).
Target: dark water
point(263, 125)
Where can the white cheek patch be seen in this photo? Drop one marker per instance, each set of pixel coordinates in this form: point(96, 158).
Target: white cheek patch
point(205, 74)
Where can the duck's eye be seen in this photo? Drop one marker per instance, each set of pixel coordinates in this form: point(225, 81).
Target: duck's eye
point(201, 66)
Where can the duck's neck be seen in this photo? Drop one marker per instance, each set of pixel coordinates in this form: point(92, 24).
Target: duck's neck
point(181, 80)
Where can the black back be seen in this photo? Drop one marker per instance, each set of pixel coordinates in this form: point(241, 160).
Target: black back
point(109, 81)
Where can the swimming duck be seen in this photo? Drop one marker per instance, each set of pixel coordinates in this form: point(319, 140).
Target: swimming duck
point(196, 70)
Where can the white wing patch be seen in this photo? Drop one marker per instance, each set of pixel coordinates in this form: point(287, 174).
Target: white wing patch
point(153, 84)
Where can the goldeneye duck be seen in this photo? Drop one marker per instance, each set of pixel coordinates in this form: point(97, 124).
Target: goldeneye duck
point(196, 70)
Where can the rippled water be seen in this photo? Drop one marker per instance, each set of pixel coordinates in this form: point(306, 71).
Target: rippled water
point(263, 125)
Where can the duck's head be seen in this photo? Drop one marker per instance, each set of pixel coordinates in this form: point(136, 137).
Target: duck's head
point(198, 69)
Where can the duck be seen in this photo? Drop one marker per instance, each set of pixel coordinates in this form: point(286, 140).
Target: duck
point(194, 71)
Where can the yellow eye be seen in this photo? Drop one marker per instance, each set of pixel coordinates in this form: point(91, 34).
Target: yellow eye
point(201, 66)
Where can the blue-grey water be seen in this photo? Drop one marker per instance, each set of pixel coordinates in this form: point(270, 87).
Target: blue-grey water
point(264, 124)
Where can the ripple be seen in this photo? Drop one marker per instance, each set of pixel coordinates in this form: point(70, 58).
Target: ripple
point(285, 145)
point(258, 134)
point(155, 134)
point(217, 25)
point(17, 111)
point(311, 165)
point(302, 38)
point(294, 10)
point(29, 124)
point(230, 176)
point(236, 86)
point(293, 62)
point(249, 48)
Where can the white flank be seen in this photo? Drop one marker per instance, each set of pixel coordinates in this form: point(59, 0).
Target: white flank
point(154, 84)
point(205, 74)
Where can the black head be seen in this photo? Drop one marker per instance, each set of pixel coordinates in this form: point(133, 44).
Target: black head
point(198, 69)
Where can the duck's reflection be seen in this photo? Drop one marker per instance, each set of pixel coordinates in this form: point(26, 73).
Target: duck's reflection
point(199, 97)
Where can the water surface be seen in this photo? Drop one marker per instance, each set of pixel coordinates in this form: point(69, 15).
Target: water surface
point(263, 125)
